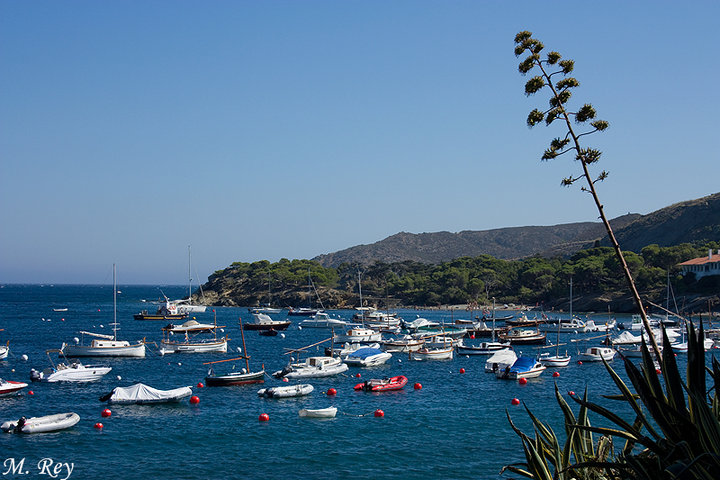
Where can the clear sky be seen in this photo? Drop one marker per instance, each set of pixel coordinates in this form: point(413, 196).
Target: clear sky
point(250, 130)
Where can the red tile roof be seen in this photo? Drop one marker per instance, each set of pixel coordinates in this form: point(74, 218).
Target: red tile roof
point(702, 260)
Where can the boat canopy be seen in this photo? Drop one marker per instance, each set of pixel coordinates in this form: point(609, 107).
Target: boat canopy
point(97, 335)
point(523, 363)
point(365, 352)
point(141, 393)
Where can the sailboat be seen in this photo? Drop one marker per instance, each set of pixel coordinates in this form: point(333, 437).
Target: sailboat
point(193, 345)
point(185, 305)
point(243, 377)
point(558, 360)
point(485, 348)
point(105, 345)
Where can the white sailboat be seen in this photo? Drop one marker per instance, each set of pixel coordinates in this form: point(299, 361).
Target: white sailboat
point(105, 345)
point(186, 305)
point(558, 360)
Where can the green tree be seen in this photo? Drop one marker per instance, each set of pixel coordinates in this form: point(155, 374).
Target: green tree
point(554, 76)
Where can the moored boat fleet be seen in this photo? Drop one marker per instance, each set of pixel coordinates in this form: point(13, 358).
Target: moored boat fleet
point(367, 340)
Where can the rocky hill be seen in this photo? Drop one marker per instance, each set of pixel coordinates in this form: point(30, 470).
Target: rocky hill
point(686, 222)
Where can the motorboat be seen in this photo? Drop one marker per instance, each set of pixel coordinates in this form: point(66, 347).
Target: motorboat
point(141, 394)
point(191, 326)
point(440, 341)
point(328, 412)
point(167, 310)
point(382, 385)
point(500, 360)
point(424, 353)
point(403, 344)
point(313, 367)
point(523, 336)
point(359, 335)
point(4, 350)
point(193, 345)
point(682, 347)
point(266, 310)
point(592, 326)
point(10, 387)
point(262, 321)
point(302, 312)
point(417, 324)
point(347, 348)
point(70, 371)
point(382, 321)
point(367, 357)
point(446, 330)
point(524, 367)
point(323, 320)
point(565, 325)
point(523, 321)
point(287, 391)
point(484, 348)
point(598, 354)
point(48, 423)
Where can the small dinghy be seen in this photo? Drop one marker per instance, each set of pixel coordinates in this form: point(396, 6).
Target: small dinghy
point(382, 385)
point(48, 423)
point(287, 391)
point(143, 394)
point(329, 412)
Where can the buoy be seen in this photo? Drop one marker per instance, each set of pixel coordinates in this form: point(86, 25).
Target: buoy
point(31, 392)
point(106, 413)
point(285, 379)
point(99, 426)
point(556, 374)
point(264, 417)
point(522, 381)
point(331, 391)
point(571, 393)
point(194, 400)
point(357, 375)
point(417, 386)
point(579, 362)
point(515, 401)
point(299, 327)
point(119, 377)
point(200, 385)
point(462, 370)
point(658, 371)
point(379, 413)
point(472, 336)
point(282, 335)
point(24, 357)
point(179, 364)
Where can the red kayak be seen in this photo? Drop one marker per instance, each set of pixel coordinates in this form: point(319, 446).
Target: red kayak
point(383, 385)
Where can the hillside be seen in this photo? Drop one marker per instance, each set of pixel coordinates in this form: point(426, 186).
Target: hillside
point(693, 221)
point(503, 243)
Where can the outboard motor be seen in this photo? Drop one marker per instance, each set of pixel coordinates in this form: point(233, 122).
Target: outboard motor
point(35, 376)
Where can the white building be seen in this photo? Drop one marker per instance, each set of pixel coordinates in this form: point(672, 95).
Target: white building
point(703, 266)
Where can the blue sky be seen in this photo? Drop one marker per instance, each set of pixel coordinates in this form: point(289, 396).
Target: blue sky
point(267, 129)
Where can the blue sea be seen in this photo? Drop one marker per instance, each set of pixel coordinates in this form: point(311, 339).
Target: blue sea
point(455, 427)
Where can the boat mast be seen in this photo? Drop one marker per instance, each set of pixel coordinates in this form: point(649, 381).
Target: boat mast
point(114, 305)
point(189, 277)
point(242, 335)
point(493, 319)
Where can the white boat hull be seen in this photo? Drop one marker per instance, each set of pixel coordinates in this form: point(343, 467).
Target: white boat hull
point(371, 361)
point(112, 349)
point(423, 354)
point(555, 360)
point(317, 372)
point(4, 352)
point(81, 373)
point(329, 412)
point(193, 347)
point(288, 391)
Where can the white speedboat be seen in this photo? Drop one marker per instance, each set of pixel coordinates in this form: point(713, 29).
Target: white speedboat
point(287, 391)
point(10, 387)
point(524, 367)
point(313, 367)
point(69, 372)
point(359, 335)
point(708, 344)
point(598, 354)
point(367, 357)
point(323, 320)
point(210, 345)
point(403, 344)
point(4, 350)
point(48, 423)
point(425, 353)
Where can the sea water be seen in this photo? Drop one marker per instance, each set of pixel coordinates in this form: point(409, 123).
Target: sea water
point(454, 427)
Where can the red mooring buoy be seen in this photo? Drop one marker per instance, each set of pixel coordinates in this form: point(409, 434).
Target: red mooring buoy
point(522, 381)
point(556, 374)
point(462, 370)
point(106, 413)
point(194, 400)
point(515, 401)
point(379, 413)
point(417, 386)
point(331, 391)
point(200, 385)
point(264, 417)
point(99, 426)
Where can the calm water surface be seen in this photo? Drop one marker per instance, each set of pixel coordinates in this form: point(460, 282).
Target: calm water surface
point(453, 428)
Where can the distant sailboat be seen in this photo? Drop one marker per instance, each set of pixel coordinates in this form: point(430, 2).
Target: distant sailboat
point(186, 305)
point(106, 345)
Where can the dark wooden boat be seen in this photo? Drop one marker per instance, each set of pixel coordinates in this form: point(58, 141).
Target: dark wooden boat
point(144, 315)
point(523, 337)
point(382, 385)
point(235, 378)
point(269, 333)
point(264, 322)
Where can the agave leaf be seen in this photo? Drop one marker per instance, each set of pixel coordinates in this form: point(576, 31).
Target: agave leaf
point(515, 469)
point(630, 397)
point(586, 437)
point(696, 363)
point(544, 429)
point(613, 417)
point(535, 462)
point(630, 444)
point(708, 428)
point(612, 432)
point(650, 374)
point(673, 381)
